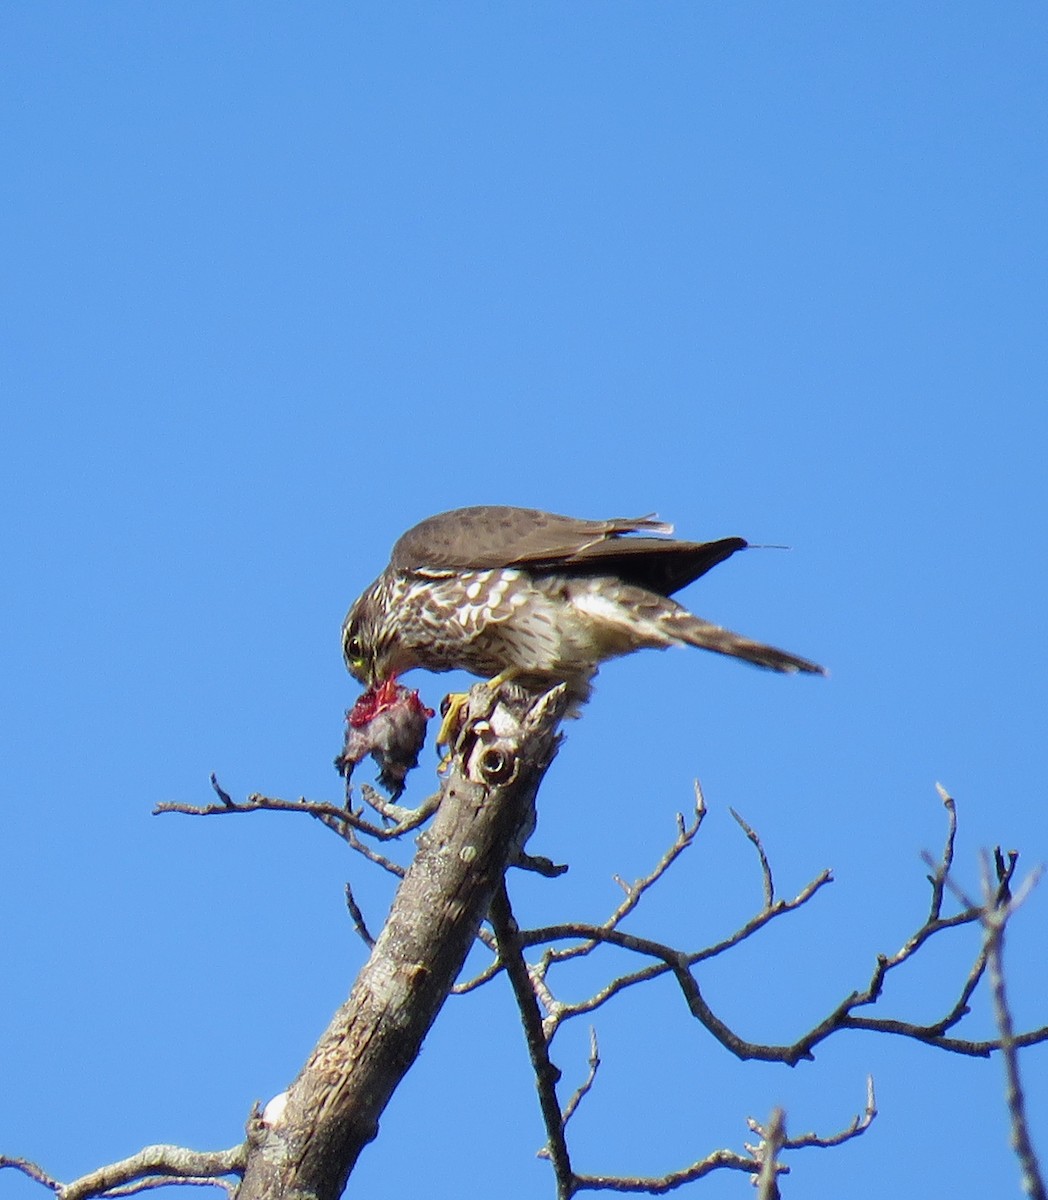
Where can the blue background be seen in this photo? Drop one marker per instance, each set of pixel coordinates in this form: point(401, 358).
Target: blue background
point(280, 281)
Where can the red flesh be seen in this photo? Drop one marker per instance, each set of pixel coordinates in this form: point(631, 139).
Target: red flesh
point(388, 694)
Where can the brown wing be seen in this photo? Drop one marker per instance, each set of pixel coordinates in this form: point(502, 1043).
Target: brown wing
point(657, 564)
point(491, 536)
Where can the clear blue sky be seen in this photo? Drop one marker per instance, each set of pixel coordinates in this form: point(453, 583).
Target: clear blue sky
point(280, 280)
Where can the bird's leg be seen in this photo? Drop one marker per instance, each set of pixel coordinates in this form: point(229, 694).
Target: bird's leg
point(455, 702)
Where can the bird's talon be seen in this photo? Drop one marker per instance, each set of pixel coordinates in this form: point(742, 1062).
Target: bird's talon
point(451, 710)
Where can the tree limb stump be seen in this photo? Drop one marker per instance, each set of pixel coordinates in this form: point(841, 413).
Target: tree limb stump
point(306, 1144)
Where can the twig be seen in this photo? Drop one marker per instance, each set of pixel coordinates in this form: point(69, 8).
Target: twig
point(359, 923)
point(547, 1076)
point(151, 1167)
point(36, 1173)
point(762, 1160)
point(668, 956)
point(857, 1128)
point(996, 914)
point(719, 1160)
point(686, 834)
point(942, 869)
point(772, 1141)
point(587, 1083)
point(372, 855)
point(220, 791)
point(843, 1016)
point(634, 893)
point(769, 884)
point(396, 812)
point(159, 1181)
point(332, 815)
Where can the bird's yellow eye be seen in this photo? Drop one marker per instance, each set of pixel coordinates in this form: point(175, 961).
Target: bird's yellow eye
point(356, 657)
point(355, 650)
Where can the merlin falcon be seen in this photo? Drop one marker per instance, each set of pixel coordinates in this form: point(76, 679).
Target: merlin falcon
point(521, 594)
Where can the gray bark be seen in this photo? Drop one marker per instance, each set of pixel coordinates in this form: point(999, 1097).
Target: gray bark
point(486, 813)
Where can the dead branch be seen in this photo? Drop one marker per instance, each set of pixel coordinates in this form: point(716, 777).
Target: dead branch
point(857, 1128)
point(308, 1139)
point(486, 812)
point(670, 959)
point(547, 1076)
point(751, 834)
point(998, 908)
point(359, 924)
point(773, 1138)
point(30, 1169)
point(582, 1090)
point(633, 894)
point(151, 1167)
point(335, 817)
point(658, 1185)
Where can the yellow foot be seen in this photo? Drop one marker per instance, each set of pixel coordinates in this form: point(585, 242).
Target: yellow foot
point(451, 711)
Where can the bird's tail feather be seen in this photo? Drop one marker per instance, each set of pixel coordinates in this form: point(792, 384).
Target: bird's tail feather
point(696, 632)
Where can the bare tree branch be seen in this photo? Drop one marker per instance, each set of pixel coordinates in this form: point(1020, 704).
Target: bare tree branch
point(769, 884)
point(658, 1185)
point(996, 914)
point(37, 1174)
point(547, 1076)
point(581, 1091)
point(857, 1128)
point(359, 924)
point(767, 1154)
point(942, 869)
point(332, 815)
point(308, 1139)
point(151, 1182)
point(670, 958)
point(485, 814)
point(151, 1167)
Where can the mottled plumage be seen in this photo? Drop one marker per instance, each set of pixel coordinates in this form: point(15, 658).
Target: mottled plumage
point(547, 598)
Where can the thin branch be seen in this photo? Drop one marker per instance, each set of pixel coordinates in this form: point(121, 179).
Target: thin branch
point(772, 1141)
point(587, 1083)
point(371, 854)
point(668, 956)
point(719, 1160)
point(995, 918)
point(634, 892)
point(220, 791)
point(942, 869)
point(686, 834)
point(857, 1128)
point(36, 1173)
point(843, 1016)
point(547, 1076)
point(332, 815)
point(762, 1160)
point(398, 813)
point(159, 1181)
point(151, 1167)
point(359, 924)
point(769, 883)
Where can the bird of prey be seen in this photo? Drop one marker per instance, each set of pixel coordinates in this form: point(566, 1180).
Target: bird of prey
point(538, 598)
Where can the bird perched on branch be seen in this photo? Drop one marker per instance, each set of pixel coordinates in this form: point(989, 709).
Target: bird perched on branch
point(520, 594)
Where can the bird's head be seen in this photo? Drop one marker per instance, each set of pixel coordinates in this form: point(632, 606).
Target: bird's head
point(358, 641)
point(369, 641)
